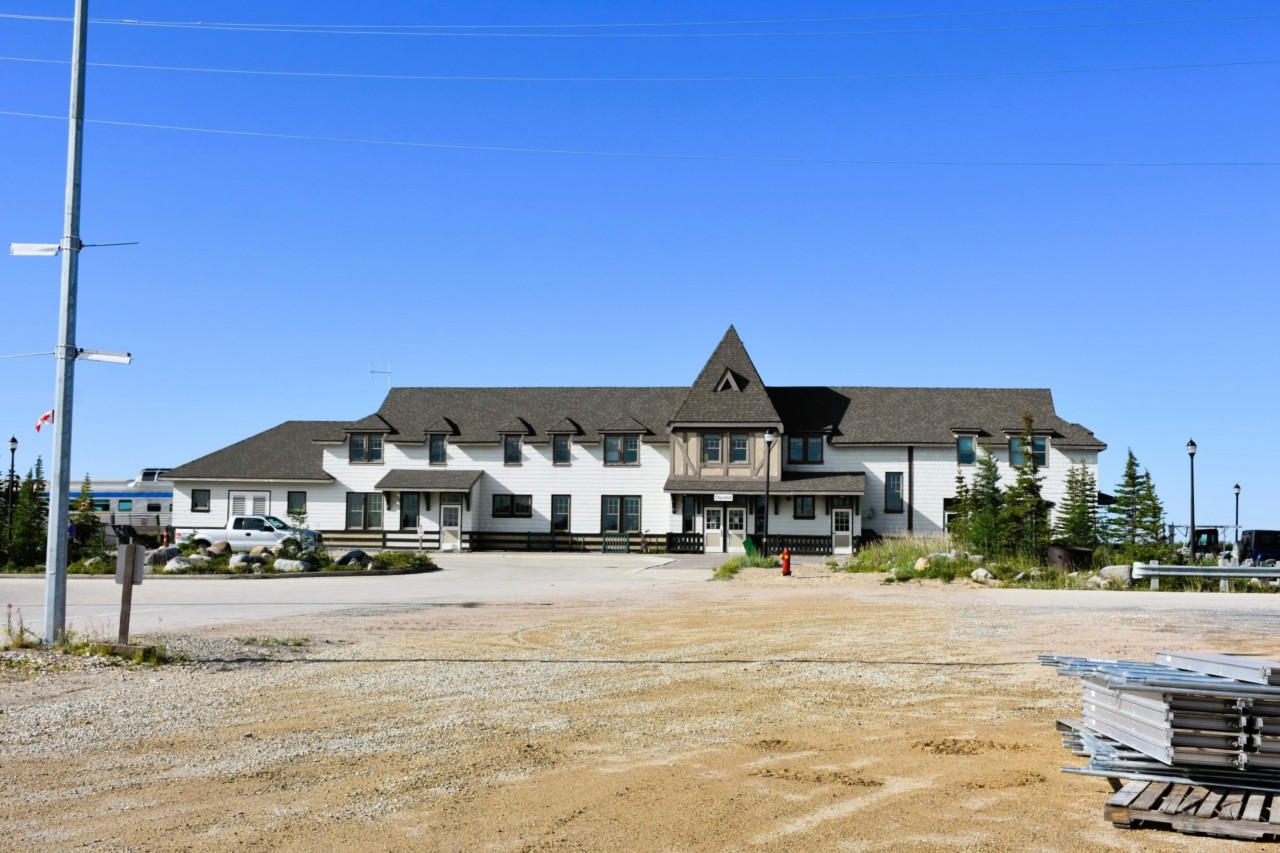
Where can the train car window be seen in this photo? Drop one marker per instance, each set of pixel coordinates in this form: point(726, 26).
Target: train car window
point(101, 504)
point(124, 506)
point(153, 507)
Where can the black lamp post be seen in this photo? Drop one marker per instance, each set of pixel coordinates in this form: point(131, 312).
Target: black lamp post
point(1236, 489)
point(13, 450)
point(769, 437)
point(1191, 452)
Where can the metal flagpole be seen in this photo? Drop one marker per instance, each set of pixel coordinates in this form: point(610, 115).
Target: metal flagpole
point(55, 593)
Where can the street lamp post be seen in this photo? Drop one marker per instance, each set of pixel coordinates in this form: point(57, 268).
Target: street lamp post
point(1191, 452)
point(13, 451)
point(769, 437)
point(1236, 489)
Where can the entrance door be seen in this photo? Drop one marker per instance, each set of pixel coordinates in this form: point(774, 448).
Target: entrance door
point(451, 527)
point(842, 531)
point(713, 529)
point(737, 529)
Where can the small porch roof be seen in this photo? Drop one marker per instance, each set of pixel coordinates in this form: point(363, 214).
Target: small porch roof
point(792, 483)
point(428, 480)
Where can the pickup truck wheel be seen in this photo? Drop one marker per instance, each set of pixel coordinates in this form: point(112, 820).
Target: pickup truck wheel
point(202, 543)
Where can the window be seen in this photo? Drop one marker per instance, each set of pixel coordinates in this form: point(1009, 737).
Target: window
point(511, 449)
point(153, 507)
point(622, 450)
point(804, 449)
point(296, 503)
point(364, 511)
point(409, 503)
point(893, 491)
point(104, 504)
point(512, 506)
point(804, 506)
point(560, 513)
point(1039, 451)
point(762, 510)
point(737, 448)
point(966, 449)
point(124, 506)
point(365, 448)
point(199, 500)
point(711, 448)
point(620, 514)
point(439, 445)
point(560, 450)
point(248, 524)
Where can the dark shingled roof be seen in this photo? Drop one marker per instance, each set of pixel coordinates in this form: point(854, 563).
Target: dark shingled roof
point(284, 452)
point(793, 482)
point(481, 414)
point(728, 390)
point(863, 415)
point(429, 480)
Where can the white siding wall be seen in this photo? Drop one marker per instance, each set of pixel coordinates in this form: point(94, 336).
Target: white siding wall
point(318, 496)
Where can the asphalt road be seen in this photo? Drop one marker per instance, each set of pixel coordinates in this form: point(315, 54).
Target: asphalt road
point(177, 603)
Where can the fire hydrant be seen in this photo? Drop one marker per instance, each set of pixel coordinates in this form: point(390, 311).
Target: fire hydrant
point(786, 562)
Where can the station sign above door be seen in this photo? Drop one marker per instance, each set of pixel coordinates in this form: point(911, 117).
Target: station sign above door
point(722, 498)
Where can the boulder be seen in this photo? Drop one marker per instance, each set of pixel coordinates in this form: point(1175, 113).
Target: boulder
point(976, 558)
point(199, 560)
point(1121, 575)
point(248, 560)
point(981, 575)
point(1095, 582)
point(218, 549)
point(922, 564)
point(160, 556)
point(178, 564)
point(259, 551)
point(355, 556)
point(291, 566)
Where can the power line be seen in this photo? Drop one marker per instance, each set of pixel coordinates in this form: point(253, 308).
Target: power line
point(631, 25)
point(724, 158)
point(794, 78)
point(304, 30)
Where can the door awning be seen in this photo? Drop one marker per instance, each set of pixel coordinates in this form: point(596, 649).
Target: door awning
point(428, 480)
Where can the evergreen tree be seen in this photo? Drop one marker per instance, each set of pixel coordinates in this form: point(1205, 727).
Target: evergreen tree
point(1026, 513)
point(1150, 514)
point(88, 526)
point(1123, 515)
point(1077, 524)
point(30, 520)
point(985, 506)
point(959, 526)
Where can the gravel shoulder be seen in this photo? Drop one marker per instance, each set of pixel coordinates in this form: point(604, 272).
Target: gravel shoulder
point(823, 712)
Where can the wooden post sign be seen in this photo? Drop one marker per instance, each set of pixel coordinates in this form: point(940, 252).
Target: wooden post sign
point(131, 563)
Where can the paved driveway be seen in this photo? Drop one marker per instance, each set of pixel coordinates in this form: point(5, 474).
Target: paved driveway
point(175, 603)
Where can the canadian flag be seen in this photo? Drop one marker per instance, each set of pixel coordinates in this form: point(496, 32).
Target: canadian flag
point(46, 418)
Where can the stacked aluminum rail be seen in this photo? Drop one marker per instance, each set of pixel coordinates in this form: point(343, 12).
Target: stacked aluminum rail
point(1190, 717)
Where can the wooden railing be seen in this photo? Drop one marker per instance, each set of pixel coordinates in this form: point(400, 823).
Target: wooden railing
point(684, 543)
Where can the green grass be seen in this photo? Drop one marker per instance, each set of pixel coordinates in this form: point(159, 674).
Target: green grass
point(732, 567)
point(892, 555)
point(293, 640)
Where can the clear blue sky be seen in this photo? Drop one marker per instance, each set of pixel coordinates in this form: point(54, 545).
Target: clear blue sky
point(913, 213)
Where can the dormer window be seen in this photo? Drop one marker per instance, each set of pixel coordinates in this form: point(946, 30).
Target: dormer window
point(365, 449)
point(1039, 451)
point(561, 449)
point(966, 449)
point(622, 450)
point(511, 449)
point(439, 449)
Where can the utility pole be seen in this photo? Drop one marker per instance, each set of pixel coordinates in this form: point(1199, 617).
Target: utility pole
point(55, 591)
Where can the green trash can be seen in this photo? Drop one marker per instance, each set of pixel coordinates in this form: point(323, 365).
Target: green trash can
point(749, 545)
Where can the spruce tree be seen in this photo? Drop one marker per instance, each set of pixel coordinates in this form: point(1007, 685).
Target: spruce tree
point(959, 527)
point(986, 504)
point(1150, 514)
point(1077, 524)
point(30, 520)
point(1026, 515)
point(1123, 514)
point(88, 538)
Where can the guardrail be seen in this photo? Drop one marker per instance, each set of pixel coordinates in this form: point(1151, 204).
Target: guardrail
point(1224, 574)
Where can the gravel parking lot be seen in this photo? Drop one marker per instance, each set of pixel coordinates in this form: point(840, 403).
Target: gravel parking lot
point(623, 706)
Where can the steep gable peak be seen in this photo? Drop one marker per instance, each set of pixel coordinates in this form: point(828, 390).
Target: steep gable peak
point(728, 390)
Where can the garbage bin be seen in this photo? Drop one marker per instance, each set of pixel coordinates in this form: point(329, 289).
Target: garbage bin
point(1070, 557)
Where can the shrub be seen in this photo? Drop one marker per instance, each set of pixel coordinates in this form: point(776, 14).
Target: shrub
point(401, 560)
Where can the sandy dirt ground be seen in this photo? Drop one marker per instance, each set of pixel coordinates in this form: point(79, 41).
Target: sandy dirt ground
point(824, 712)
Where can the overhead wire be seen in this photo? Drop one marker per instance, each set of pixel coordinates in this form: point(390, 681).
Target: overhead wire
point(726, 158)
point(761, 78)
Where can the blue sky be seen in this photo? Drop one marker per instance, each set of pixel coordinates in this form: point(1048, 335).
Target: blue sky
point(885, 192)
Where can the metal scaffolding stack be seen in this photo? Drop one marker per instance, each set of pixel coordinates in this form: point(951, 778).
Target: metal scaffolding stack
point(1189, 718)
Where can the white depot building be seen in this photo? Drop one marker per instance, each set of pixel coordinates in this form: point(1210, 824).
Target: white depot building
point(611, 468)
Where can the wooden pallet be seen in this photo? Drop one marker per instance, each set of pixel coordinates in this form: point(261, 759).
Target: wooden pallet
point(1196, 809)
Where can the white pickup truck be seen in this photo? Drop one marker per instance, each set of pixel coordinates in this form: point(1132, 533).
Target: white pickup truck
point(245, 532)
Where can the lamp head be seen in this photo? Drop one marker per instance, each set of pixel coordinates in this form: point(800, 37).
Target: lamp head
point(1191, 447)
point(13, 443)
point(769, 436)
point(1236, 489)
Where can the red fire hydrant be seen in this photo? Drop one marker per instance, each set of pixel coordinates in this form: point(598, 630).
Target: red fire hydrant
point(786, 562)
